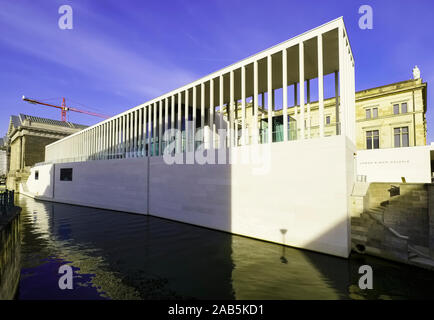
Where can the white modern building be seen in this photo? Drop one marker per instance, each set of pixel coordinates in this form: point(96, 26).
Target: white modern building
point(292, 188)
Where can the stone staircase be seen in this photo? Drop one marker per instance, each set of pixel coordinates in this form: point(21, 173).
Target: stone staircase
point(372, 231)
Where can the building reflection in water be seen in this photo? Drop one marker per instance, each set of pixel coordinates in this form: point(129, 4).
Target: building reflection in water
point(9, 260)
point(123, 256)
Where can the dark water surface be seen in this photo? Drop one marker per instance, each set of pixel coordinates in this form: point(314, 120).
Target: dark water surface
point(117, 255)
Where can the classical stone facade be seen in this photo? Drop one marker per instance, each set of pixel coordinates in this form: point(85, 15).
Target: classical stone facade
point(3, 158)
point(26, 140)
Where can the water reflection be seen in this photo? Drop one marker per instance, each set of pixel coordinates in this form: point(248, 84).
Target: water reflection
point(122, 256)
point(9, 260)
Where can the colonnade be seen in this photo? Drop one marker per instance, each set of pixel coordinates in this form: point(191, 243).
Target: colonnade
point(212, 103)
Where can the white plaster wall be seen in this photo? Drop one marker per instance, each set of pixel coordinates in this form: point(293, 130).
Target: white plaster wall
point(118, 184)
point(389, 165)
point(302, 200)
point(43, 186)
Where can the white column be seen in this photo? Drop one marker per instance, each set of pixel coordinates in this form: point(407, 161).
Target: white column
point(337, 107)
point(160, 126)
point(255, 100)
point(296, 109)
point(270, 99)
point(124, 135)
point(308, 108)
point(132, 130)
point(137, 133)
point(166, 119)
point(172, 112)
point(179, 126)
point(320, 87)
point(221, 102)
point(301, 72)
point(154, 128)
point(211, 114)
point(285, 94)
point(202, 110)
point(150, 133)
point(140, 135)
point(187, 130)
point(243, 105)
point(194, 117)
point(231, 107)
point(128, 139)
point(145, 130)
point(117, 143)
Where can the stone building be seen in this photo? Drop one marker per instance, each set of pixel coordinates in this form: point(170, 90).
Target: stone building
point(26, 140)
point(3, 158)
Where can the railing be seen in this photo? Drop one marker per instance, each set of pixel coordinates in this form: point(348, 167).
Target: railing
point(6, 200)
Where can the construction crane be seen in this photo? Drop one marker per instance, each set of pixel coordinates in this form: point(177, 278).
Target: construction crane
point(64, 109)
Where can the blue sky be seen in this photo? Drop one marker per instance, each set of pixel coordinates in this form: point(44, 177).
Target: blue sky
point(122, 53)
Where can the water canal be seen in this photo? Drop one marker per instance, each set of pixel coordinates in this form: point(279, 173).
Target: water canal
point(117, 255)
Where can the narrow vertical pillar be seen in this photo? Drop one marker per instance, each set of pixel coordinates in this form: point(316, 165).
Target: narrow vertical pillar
point(308, 108)
point(211, 114)
point(194, 118)
point(160, 126)
point(128, 140)
point(124, 144)
point(150, 133)
point(320, 87)
point(179, 125)
point(140, 136)
point(166, 120)
point(172, 113)
point(154, 130)
point(295, 107)
point(338, 131)
point(301, 73)
point(231, 105)
point(145, 131)
point(243, 105)
point(202, 110)
point(186, 124)
point(221, 102)
point(255, 100)
point(285, 94)
point(136, 127)
point(270, 99)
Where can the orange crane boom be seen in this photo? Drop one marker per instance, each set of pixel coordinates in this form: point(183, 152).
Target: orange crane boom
point(64, 109)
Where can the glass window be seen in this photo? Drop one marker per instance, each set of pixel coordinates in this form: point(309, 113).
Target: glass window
point(372, 139)
point(327, 119)
point(404, 107)
point(376, 139)
point(375, 113)
point(401, 138)
point(66, 174)
point(405, 140)
point(36, 175)
point(368, 139)
point(368, 113)
point(396, 109)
